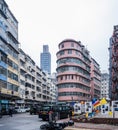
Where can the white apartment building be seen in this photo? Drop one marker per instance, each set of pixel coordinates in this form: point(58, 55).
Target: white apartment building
point(21, 80)
point(35, 86)
point(9, 57)
point(105, 85)
point(54, 89)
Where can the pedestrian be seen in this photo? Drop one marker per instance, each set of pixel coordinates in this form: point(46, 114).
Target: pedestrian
point(0, 114)
point(70, 112)
point(10, 111)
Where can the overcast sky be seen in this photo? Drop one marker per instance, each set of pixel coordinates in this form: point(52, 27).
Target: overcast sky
point(49, 22)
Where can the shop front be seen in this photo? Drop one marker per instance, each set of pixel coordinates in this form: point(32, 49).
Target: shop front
point(4, 106)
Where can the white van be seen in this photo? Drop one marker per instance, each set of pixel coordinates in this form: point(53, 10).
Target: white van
point(21, 109)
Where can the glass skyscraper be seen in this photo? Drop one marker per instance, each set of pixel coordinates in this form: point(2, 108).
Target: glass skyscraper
point(45, 60)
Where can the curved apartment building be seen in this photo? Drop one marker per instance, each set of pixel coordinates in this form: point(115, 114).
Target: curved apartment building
point(73, 71)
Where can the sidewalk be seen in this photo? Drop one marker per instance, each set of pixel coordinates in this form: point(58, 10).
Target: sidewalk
point(89, 126)
point(75, 129)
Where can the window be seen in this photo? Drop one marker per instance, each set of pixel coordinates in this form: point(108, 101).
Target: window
point(68, 76)
point(9, 62)
point(15, 88)
point(72, 44)
point(69, 51)
point(3, 71)
point(77, 46)
point(12, 52)
point(10, 86)
point(72, 76)
point(12, 64)
point(12, 76)
point(62, 46)
point(61, 77)
point(3, 57)
point(3, 84)
point(61, 53)
point(77, 53)
point(22, 82)
point(65, 77)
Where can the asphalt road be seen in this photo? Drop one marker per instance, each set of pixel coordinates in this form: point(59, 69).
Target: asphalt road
point(23, 121)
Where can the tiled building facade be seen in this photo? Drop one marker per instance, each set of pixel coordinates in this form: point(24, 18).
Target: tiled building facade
point(73, 71)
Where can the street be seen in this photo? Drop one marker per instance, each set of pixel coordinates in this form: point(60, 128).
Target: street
point(23, 121)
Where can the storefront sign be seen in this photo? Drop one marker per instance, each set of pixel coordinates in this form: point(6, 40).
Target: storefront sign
point(4, 101)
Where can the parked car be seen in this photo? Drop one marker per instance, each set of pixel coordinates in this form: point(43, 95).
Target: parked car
point(27, 109)
point(21, 109)
point(34, 110)
point(14, 111)
point(54, 111)
point(0, 114)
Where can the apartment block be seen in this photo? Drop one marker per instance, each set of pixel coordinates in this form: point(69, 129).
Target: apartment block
point(113, 64)
point(22, 82)
point(105, 86)
point(95, 79)
point(35, 85)
point(73, 71)
point(9, 55)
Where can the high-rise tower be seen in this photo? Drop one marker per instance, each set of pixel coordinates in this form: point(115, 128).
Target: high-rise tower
point(45, 59)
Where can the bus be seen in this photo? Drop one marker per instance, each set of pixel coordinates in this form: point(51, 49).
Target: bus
point(56, 111)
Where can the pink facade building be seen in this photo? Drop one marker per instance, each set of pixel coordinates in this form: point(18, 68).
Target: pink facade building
point(73, 71)
point(95, 79)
